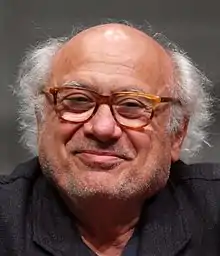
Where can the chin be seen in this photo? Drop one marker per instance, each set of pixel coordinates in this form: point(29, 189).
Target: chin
point(123, 186)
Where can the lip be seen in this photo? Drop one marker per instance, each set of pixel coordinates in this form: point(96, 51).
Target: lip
point(104, 159)
point(99, 157)
point(100, 154)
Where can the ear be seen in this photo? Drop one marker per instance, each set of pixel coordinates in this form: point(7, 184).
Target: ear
point(177, 139)
point(38, 116)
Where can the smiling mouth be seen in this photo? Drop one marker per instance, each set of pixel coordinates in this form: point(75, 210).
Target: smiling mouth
point(100, 159)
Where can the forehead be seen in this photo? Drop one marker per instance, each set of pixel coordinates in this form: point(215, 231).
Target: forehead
point(112, 55)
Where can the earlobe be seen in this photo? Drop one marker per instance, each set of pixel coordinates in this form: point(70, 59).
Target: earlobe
point(177, 140)
point(38, 117)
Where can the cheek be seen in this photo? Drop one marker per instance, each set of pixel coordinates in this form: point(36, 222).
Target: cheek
point(141, 140)
point(55, 132)
point(153, 140)
point(66, 131)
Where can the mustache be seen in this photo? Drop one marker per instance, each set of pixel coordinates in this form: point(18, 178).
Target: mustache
point(103, 148)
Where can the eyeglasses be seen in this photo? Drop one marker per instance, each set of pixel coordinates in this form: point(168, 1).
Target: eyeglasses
point(130, 109)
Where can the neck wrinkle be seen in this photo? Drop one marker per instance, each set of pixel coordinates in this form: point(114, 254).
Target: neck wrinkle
point(106, 225)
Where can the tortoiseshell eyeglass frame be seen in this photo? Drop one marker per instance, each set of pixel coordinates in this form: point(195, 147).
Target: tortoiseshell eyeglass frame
point(108, 99)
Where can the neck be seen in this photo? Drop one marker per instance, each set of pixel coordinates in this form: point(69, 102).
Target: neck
point(106, 225)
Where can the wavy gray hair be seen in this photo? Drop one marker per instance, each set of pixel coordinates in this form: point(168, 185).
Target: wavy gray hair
point(192, 88)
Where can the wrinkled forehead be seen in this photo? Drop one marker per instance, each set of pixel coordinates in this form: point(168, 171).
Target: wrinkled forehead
point(114, 47)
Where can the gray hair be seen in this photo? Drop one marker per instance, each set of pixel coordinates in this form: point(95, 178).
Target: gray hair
point(192, 88)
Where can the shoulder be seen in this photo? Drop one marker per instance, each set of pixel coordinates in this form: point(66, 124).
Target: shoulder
point(199, 171)
point(199, 187)
point(17, 185)
point(16, 192)
point(197, 177)
point(24, 171)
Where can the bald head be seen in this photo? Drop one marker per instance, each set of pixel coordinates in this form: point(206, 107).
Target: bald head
point(113, 49)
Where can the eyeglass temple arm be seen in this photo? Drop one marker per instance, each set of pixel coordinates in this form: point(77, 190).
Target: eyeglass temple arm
point(169, 99)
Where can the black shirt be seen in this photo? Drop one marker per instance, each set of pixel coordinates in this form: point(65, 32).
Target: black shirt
point(182, 219)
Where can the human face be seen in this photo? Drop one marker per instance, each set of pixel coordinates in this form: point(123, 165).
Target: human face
point(100, 157)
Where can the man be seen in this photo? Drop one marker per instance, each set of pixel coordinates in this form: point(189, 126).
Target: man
point(113, 109)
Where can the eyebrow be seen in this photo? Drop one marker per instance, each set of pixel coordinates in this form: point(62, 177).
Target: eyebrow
point(131, 88)
point(76, 84)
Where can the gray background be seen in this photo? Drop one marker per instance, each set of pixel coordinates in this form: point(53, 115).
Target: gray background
point(194, 25)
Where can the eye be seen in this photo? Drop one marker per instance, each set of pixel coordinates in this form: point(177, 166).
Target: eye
point(133, 108)
point(78, 99)
point(131, 104)
point(78, 102)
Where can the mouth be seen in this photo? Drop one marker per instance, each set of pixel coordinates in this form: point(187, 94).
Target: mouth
point(100, 159)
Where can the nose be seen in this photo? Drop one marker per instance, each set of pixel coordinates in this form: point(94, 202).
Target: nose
point(103, 125)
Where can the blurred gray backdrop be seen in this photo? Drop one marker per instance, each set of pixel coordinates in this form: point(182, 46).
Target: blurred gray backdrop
point(192, 24)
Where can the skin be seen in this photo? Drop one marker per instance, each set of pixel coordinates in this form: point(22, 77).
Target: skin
point(106, 193)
